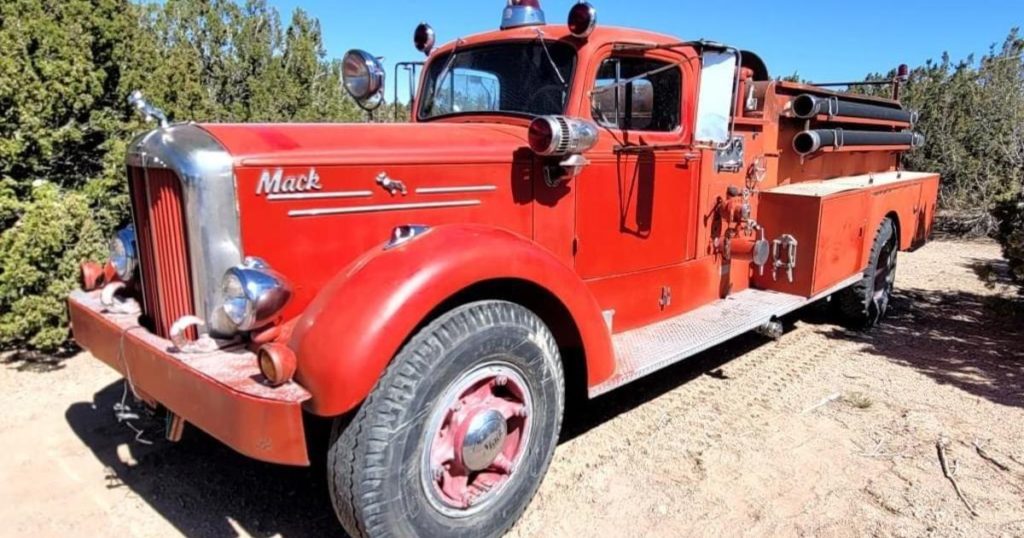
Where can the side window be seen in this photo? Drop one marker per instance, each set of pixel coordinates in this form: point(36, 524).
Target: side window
point(652, 102)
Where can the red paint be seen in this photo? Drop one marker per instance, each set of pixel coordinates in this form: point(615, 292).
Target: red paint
point(217, 392)
point(335, 339)
point(455, 481)
point(632, 226)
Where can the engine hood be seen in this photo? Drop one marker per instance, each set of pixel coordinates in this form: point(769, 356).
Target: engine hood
point(340, 144)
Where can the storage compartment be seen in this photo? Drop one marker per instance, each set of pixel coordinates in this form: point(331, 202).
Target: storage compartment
point(829, 231)
point(834, 223)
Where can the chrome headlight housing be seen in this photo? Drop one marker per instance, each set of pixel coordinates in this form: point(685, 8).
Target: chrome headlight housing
point(363, 76)
point(253, 294)
point(123, 254)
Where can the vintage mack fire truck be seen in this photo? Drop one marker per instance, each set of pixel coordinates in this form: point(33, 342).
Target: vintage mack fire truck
point(570, 208)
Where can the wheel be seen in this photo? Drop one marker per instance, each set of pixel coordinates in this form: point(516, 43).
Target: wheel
point(865, 303)
point(458, 432)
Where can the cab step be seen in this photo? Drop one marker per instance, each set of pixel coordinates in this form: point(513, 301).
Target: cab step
point(645, 350)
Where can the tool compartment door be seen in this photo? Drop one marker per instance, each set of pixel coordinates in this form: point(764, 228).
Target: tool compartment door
point(835, 222)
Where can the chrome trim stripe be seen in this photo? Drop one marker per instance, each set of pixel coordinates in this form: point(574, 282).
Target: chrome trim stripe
point(379, 208)
point(456, 190)
point(319, 195)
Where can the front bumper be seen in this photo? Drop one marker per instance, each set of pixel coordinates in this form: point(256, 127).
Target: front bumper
point(220, 392)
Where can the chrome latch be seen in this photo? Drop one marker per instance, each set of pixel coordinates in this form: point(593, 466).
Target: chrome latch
point(393, 186)
point(405, 233)
point(666, 297)
point(729, 157)
point(784, 254)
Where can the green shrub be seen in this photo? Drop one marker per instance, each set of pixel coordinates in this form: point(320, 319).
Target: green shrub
point(39, 258)
point(1010, 235)
point(66, 69)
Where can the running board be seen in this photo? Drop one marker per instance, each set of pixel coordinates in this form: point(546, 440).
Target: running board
point(643, 351)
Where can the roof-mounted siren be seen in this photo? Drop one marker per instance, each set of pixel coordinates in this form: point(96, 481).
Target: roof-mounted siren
point(522, 13)
point(582, 19)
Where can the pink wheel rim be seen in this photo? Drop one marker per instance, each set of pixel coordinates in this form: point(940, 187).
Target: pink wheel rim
point(475, 438)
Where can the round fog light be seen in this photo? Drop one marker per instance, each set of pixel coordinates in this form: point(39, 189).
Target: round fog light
point(277, 363)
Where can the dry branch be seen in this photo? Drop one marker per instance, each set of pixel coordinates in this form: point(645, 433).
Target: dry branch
point(825, 401)
point(981, 452)
point(940, 446)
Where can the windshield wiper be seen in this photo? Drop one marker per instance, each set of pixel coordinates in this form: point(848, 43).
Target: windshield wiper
point(429, 105)
point(544, 45)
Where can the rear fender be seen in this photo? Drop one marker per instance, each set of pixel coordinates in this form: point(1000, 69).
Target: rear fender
point(359, 321)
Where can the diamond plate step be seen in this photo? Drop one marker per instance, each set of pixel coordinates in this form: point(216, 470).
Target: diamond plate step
point(642, 351)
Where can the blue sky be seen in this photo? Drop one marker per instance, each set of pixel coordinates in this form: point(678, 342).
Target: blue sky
point(838, 41)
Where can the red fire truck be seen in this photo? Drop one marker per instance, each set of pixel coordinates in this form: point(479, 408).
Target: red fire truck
point(570, 208)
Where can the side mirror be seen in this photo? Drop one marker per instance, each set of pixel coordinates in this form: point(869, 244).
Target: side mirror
point(716, 96)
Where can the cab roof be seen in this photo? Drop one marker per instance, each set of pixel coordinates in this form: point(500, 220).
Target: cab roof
point(600, 36)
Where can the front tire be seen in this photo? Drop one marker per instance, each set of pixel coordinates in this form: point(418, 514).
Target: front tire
point(458, 432)
point(864, 304)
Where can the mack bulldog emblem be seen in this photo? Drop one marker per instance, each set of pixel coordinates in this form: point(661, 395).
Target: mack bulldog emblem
point(275, 182)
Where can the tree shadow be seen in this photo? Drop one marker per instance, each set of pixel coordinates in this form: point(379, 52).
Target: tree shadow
point(37, 361)
point(970, 341)
point(201, 486)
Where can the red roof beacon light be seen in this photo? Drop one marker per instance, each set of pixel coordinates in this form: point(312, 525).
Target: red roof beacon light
point(903, 73)
point(522, 13)
point(582, 19)
point(424, 38)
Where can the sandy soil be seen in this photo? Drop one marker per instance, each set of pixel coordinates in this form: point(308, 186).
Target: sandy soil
point(731, 443)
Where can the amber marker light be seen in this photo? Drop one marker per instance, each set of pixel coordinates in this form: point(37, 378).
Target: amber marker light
point(277, 363)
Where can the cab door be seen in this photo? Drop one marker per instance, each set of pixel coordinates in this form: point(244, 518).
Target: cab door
point(636, 200)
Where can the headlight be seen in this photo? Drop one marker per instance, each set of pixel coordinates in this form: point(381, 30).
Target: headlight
point(363, 75)
point(253, 294)
point(123, 254)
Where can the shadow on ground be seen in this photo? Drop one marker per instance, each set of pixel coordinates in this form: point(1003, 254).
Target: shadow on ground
point(970, 341)
point(38, 362)
point(202, 487)
point(205, 489)
point(974, 342)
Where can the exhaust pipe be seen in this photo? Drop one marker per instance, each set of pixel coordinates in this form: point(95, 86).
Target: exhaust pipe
point(807, 142)
point(806, 106)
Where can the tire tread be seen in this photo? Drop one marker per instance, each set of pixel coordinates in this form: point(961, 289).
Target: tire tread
point(353, 489)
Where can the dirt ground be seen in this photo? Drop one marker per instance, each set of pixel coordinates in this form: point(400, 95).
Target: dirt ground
point(823, 433)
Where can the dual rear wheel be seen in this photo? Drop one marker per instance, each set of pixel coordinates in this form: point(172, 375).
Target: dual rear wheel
point(864, 304)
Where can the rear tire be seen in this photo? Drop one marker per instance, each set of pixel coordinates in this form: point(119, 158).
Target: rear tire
point(864, 304)
point(459, 431)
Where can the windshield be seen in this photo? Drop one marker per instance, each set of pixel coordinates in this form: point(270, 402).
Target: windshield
point(512, 78)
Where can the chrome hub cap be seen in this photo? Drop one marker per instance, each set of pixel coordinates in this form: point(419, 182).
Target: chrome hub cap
point(476, 436)
point(483, 439)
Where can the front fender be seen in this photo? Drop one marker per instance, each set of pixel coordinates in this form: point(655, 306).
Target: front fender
point(360, 320)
